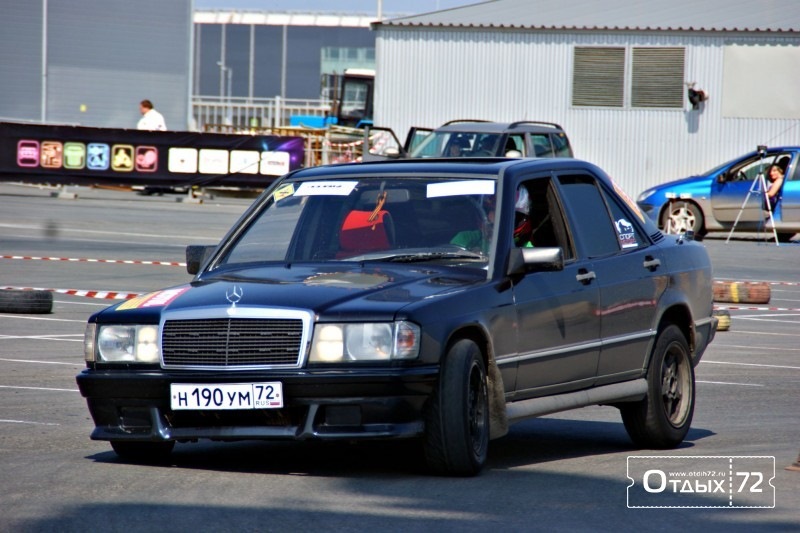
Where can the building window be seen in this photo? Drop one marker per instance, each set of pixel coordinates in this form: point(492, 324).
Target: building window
point(657, 77)
point(655, 74)
point(598, 77)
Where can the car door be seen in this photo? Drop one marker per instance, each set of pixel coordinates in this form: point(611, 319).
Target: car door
point(731, 189)
point(631, 281)
point(788, 209)
point(630, 274)
point(559, 328)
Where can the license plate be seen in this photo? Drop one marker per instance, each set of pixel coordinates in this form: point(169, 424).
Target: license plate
point(195, 396)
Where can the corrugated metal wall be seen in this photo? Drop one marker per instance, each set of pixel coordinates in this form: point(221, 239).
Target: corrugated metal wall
point(103, 57)
point(426, 77)
point(20, 60)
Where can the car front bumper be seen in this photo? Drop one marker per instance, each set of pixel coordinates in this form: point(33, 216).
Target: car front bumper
point(135, 406)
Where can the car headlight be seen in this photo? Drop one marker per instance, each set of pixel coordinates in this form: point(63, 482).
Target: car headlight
point(645, 195)
point(378, 341)
point(122, 344)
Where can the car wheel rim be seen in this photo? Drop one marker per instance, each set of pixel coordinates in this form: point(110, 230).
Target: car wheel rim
point(676, 386)
point(681, 219)
point(477, 409)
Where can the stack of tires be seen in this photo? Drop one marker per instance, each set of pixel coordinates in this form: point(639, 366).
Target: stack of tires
point(752, 292)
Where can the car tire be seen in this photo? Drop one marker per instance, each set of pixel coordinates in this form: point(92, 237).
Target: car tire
point(142, 452)
point(26, 301)
point(681, 216)
point(457, 416)
point(662, 419)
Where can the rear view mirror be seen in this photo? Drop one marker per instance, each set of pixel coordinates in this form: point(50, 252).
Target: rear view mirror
point(522, 260)
point(196, 257)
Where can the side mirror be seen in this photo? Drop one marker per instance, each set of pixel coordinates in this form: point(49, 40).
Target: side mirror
point(196, 257)
point(722, 178)
point(392, 152)
point(524, 260)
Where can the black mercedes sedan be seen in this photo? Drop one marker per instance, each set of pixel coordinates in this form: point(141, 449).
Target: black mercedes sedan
point(436, 301)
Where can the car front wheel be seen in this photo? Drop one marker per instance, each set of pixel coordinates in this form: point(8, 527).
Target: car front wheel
point(681, 216)
point(457, 417)
point(663, 418)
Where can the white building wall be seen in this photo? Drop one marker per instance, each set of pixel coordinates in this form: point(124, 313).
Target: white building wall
point(426, 77)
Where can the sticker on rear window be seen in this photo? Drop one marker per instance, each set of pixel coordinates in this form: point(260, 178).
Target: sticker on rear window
point(627, 235)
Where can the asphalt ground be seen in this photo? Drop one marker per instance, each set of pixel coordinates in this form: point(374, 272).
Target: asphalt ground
point(565, 472)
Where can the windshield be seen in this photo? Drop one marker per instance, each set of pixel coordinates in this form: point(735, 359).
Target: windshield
point(457, 144)
point(398, 219)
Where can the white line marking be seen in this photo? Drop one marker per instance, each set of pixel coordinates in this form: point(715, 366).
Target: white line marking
point(42, 318)
point(757, 349)
point(96, 232)
point(764, 333)
point(728, 383)
point(750, 364)
point(39, 362)
point(29, 422)
point(96, 304)
point(43, 337)
point(38, 388)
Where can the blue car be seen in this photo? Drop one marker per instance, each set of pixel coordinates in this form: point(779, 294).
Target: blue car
point(713, 200)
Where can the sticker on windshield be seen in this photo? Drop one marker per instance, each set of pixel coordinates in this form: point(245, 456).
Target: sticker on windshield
point(460, 188)
point(326, 188)
point(283, 192)
point(627, 237)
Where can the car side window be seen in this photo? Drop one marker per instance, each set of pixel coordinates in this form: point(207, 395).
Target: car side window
point(546, 224)
point(516, 143)
point(561, 145)
point(540, 143)
point(627, 232)
point(589, 215)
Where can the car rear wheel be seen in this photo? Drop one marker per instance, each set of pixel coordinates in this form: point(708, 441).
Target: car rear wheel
point(663, 418)
point(457, 417)
point(142, 452)
point(682, 216)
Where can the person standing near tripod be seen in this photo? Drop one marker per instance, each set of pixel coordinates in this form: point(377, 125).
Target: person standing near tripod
point(775, 176)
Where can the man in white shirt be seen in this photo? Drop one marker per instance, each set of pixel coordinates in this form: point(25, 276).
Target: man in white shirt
point(151, 119)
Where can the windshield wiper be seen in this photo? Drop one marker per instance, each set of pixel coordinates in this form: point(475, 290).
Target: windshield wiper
point(432, 256)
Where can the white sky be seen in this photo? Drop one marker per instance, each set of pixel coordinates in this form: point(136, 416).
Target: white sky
point(336, 6)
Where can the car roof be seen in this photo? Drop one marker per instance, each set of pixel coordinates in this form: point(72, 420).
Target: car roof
point(479, 126)
point(489, 166)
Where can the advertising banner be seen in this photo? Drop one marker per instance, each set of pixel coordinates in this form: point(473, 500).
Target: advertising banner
point(76, 155)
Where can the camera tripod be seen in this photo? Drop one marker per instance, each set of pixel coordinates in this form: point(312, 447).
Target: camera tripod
point(759, 186)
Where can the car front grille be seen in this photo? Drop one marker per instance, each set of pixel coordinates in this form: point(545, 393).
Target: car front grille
point(232, 342)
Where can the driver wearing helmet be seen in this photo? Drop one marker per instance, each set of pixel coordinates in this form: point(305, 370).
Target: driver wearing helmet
point(457, 147)
point(523, 227)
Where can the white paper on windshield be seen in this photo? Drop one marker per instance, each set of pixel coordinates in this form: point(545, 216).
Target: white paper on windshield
point(460, 188)
point(326, 188)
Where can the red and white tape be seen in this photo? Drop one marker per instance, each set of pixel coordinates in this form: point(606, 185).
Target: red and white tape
point(759, 308)
point(85, 260)
point(105, 295)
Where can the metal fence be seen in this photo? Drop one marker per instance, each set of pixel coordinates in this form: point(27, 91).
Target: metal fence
point(242, 114)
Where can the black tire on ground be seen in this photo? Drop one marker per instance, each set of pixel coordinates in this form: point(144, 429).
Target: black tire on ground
point(29, 302)
point(680, 216)
point(662, 419)
point(456, 438)
point(142, 452)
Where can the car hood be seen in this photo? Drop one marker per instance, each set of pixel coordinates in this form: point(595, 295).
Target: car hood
point(347, 291)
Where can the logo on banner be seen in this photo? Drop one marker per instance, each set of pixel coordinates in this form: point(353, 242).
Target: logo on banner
point(98, 156)
point(122, 157)
point(146, 158)
point(52, 154)
point(182, 160)
point(74, 155)
point(28, 153)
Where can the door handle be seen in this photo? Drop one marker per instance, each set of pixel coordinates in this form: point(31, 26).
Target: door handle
point(585, 276)
point(651, 264)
